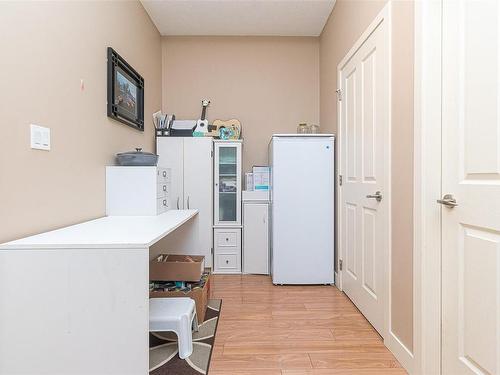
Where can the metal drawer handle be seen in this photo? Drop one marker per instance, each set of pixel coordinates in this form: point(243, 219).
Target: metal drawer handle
point(164, 173)
point(164, 187)
point(227, 261)
point(164, 202)
point(448, 201)
point(177, 202)
point(227, 239)
point(377, 196)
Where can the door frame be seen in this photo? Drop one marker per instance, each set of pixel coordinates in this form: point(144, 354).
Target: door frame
point(427, 187)
point(383, 16)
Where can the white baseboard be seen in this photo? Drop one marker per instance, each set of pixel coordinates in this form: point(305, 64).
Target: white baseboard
point(401, 352)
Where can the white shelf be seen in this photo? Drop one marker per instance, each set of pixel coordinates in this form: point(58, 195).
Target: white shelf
point(107, 232)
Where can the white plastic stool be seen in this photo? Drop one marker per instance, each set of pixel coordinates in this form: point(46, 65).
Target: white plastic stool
point(175, 315)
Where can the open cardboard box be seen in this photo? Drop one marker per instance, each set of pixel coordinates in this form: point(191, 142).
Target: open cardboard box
point(167, 267)
point(199, 295)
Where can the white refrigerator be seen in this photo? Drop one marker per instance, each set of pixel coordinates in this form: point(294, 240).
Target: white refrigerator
point(302, 208)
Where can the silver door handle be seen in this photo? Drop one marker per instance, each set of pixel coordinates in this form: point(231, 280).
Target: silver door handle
point(448, 201)
point(377, 196)
point(188, 203)
point(177, 202)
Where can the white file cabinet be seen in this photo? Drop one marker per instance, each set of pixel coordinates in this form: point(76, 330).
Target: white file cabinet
point(137, 191)
point(227, 250)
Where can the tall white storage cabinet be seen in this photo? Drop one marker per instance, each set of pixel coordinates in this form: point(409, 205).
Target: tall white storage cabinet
point(256, 232)
point(227, 207)
point(190, 160)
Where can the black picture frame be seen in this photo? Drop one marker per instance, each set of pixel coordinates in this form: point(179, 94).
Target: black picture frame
point(125, 92)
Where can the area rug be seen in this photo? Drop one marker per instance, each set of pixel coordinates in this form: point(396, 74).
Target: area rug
point(164, 353)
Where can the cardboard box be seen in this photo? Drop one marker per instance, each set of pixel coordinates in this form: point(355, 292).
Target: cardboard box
point(200, 295)
point(176, 268)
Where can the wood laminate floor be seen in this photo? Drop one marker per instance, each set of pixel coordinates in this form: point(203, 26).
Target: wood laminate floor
point(293, 330)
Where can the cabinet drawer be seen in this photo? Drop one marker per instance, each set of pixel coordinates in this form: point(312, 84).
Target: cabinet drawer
point(163, 175)
point(162, 190)
point(227, 262)
point(162, 205)
point(227, 239)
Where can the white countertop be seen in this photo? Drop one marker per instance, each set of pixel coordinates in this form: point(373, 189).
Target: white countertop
point(107, 232)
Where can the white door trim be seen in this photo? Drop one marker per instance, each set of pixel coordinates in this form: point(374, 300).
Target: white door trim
point(427, 188)
point(383, 16)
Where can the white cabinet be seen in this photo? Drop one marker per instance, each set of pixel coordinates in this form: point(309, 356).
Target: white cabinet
point(227, 207)
point(256, 238)
point(137, 191)
point(227, 179)
point(227, 246)
point(190, 160)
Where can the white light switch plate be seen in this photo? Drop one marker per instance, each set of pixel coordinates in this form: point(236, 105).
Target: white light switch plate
point(40, 137)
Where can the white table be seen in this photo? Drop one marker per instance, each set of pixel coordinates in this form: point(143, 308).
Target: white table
point(75, 300)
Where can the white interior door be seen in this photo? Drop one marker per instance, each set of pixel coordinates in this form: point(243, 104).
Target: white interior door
point(364, 166)
point(471, 173)
point(171, 151)
point(198, 174)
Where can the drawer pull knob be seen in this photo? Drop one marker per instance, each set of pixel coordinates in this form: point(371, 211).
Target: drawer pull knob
point(227, 262)
point(164, 202)
point(164, 173)
point(227, 239)
point(164, 187)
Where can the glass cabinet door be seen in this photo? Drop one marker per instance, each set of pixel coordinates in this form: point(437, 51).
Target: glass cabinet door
point(228, 184)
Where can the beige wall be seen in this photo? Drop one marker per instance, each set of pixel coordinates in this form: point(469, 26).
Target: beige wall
point(46, 48)
point(269, 83)
point(347, 22)
point(402, 172)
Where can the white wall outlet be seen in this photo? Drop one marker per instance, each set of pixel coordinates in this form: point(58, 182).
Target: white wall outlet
point(40, 137)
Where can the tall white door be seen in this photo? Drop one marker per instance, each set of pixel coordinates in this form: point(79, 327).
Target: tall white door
point(170, 151)
point(198, 174)
point(364, 167)
point(471, 174)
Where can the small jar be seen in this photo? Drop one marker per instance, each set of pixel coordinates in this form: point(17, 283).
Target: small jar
point(302, 129)
point(313, 129)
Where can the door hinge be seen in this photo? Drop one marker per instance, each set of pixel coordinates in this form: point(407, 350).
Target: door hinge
point(339, 94)
point(340, 180)
point(340, 264)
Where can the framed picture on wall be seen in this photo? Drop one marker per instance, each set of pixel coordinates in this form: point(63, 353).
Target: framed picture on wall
point(125, 92)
